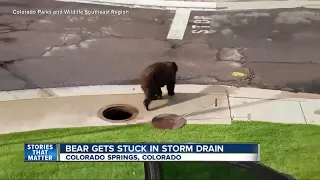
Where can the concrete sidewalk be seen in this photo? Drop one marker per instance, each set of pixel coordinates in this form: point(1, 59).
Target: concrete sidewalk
point(26, 110)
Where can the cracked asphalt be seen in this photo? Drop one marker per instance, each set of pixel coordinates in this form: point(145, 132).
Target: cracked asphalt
point(277, 49)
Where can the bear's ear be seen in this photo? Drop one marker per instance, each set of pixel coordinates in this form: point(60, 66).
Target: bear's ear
point(174, 66)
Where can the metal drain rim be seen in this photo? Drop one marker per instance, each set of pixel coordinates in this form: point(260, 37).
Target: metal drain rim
point(179, 121)
point(127, 108)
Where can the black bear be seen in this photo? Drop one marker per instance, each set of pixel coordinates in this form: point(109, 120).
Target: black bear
point(154, 77)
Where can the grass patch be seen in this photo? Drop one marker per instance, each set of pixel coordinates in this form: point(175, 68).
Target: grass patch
point(292, 149)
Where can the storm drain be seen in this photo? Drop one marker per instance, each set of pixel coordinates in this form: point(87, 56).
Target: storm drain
point(118, 113)
point(168, 121)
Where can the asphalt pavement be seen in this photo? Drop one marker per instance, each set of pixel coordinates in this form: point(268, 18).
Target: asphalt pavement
point(277, 49)
point(274, 49)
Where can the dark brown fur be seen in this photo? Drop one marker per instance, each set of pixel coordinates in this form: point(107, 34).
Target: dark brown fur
point(154, 77)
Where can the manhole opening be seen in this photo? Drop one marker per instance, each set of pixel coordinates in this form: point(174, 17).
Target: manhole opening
point(119, 113)
point(116, 114)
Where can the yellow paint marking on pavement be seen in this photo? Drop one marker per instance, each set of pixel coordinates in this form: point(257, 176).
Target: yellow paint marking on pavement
point(238, 74)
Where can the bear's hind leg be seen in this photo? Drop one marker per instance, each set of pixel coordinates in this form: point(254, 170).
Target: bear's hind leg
point(159, 93)
point(149, 96)
point(170, 88)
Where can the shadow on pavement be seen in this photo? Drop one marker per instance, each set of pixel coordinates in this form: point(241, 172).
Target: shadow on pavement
point(8, 39)
point(177, 99)
point(218, 89)
point(184, 97)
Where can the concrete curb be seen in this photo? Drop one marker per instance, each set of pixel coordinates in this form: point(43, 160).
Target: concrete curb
point(87, 90)
point(242, 92)
point(152, 4)
point(268, 5)
point(203, 6)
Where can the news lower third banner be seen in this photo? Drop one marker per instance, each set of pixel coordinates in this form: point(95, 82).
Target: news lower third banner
point(117, 152)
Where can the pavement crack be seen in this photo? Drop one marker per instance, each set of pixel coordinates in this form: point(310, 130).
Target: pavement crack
point(16, 74)
point(231, 54)
point(176, 45)
point(206, 76)
point(47, 50)
point(65, 39)
point(126, 37)
point(24, 26)
point(41, 17)
point(234, 54)
point(11, 30)
point(249, 78)
point(23, 59)
point(29, 23)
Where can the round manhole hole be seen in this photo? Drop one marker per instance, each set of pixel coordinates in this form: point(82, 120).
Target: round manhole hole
point(168, 121)
point(118, 113)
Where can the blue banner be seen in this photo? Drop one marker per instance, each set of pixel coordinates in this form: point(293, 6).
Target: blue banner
point(40, 152)
point(159, 148)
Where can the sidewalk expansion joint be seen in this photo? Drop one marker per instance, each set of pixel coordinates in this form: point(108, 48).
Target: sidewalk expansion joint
point(304, 116)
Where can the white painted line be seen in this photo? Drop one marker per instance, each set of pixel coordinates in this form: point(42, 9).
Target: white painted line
point(179, 24)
